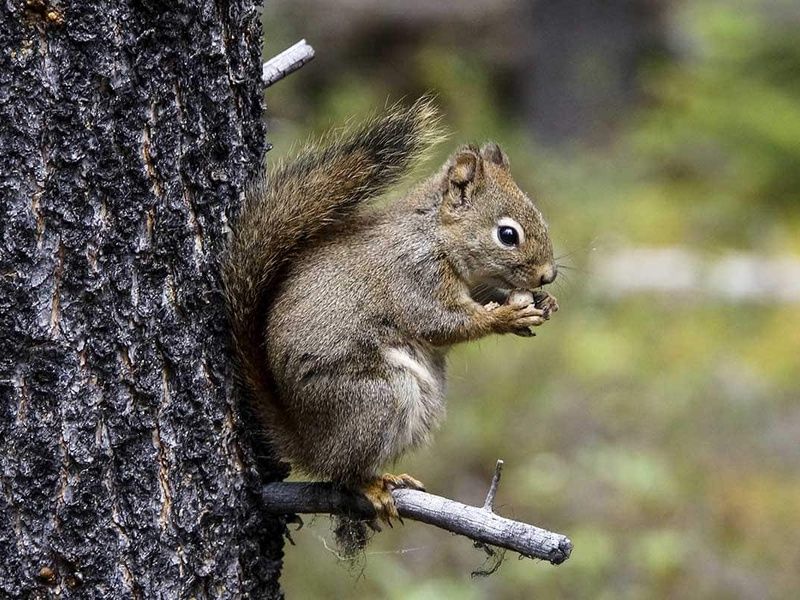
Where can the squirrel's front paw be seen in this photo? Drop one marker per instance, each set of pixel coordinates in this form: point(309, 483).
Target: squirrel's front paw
point(546, 302)
point(517, 315)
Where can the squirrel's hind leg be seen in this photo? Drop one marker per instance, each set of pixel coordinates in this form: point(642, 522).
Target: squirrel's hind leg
point(352, 534)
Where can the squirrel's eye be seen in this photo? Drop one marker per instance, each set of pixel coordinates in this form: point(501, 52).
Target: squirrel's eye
point(507, 235)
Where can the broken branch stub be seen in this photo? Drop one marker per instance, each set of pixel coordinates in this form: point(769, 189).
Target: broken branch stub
point(288, 61)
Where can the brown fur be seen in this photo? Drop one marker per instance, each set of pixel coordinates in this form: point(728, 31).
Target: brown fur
point(342, 314)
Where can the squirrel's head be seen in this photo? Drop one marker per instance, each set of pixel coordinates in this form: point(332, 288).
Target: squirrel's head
point(495, 237)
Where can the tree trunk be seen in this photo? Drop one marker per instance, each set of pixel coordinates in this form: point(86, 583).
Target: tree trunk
point(127, 132)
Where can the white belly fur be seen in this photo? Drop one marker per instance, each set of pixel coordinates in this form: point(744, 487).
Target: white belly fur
point(418, 394)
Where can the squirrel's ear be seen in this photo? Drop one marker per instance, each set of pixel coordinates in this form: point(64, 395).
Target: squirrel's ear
point(492, 153)
point(465, 171)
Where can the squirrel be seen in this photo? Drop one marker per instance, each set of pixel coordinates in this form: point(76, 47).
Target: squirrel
point(342, 312)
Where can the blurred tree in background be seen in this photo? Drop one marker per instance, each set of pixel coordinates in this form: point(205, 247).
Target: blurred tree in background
point(658, 428)
point(583, 58)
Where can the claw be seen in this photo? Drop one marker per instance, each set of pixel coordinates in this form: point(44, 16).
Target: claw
point(402, 481)
point(379, 492)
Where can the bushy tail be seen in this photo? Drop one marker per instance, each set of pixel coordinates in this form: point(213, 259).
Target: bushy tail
point(285, 209)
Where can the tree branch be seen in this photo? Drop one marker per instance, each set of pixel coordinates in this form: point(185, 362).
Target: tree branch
point(288, 61)
point(477, 523)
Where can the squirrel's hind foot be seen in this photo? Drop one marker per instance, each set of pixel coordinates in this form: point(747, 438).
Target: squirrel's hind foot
point(379, 492)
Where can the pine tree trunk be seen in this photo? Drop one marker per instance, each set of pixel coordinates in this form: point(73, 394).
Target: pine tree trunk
point(127, 132)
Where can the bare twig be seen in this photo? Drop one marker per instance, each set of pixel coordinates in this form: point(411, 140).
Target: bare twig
point(288, 61)
point(477, 523)
point(498, 471)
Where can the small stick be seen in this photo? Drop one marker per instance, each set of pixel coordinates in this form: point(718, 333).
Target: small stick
point(477, 523)
point(498, 471)
point(288, 61)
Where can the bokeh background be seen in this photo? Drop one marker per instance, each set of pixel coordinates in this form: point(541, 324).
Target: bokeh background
point(656, 419)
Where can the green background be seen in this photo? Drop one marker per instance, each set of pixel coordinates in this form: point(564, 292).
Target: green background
point(660, 430)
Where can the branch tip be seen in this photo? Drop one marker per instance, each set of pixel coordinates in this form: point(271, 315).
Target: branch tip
point(498, 471)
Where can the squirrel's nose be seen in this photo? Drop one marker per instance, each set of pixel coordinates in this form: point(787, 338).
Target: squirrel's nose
point(549, 275)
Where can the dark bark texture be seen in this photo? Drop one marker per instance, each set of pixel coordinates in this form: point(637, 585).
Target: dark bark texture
point(127, 132)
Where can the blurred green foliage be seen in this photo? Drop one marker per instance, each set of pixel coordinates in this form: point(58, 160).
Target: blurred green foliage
point(661, 433)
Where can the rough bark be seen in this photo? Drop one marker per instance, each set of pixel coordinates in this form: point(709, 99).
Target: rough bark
point(127, 131)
